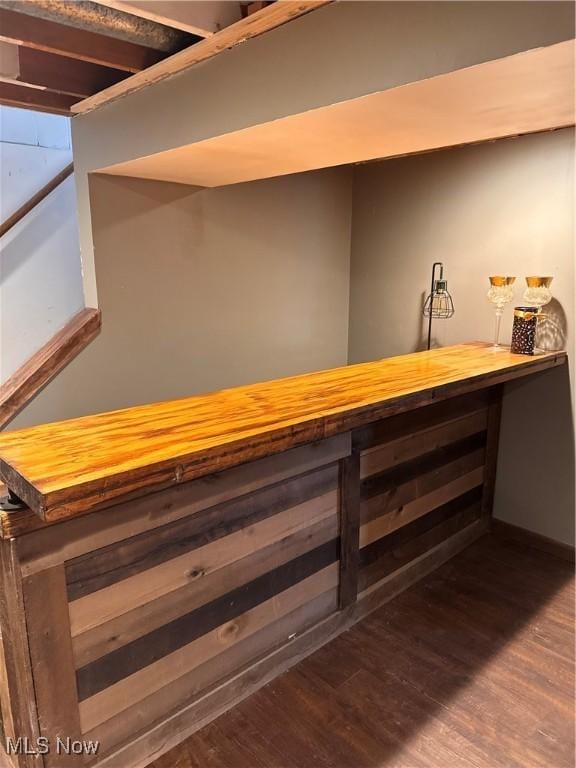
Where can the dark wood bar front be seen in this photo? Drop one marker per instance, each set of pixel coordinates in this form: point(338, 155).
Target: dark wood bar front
point(172, 558)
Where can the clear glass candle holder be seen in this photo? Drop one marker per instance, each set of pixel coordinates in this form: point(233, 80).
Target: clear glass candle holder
point(501, 293)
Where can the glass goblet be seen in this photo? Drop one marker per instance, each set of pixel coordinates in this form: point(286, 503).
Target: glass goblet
point(501, 293)
point(538, 292)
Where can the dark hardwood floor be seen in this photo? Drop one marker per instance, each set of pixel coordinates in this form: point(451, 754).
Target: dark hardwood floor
point(473, 666)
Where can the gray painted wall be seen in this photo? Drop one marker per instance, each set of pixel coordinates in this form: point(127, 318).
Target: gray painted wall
point(500, 208)
point(340, 51)
point(203, 289)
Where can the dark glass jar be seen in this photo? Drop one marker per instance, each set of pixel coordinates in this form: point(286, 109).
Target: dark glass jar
point(524, 330)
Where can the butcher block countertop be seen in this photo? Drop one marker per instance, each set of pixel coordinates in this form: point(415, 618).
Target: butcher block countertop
point(67, 468)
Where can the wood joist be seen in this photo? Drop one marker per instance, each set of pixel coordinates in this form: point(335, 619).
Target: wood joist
point(50, 66)
point(51, 59)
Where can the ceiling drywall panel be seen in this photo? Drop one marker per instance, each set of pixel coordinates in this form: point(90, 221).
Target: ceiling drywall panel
point(523, 93)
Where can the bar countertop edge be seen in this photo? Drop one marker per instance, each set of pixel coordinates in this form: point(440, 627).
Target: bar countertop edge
point(340, 409)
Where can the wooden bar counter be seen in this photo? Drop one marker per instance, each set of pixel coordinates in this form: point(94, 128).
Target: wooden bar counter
point(172, 558)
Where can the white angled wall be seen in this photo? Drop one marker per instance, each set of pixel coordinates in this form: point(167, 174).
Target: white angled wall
point(40, 273)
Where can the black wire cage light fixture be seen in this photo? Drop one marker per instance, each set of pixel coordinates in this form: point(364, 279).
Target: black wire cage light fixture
point(438, 304)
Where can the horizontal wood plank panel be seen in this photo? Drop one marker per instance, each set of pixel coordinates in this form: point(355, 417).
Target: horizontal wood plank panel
point(387, 455)
point(101, 606)
point(148, 611)
point(92, 572)
point(111, 701)
point(384, 589)
point(169, 638)
point(390, 552)
point(200, 712)
point(420, 490)
point(117, 632)
point(185, 689)
point(49, 546)
point(161, 445)
point(392, 520)
point(376, 549)
point(178, 595)
point(437, 415)
point(425, 472)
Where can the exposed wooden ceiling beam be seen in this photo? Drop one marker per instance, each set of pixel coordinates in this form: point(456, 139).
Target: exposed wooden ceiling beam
point(101, 20)
point(78, 44)
point(56, 73)
point(201, 17)
point(12, 95)
point(256, 24)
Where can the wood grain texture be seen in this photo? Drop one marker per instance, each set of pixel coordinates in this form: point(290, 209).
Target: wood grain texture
point(59, 75)
point(111, 701)
point(52, 660)
point(203, 18)
point(383, 545)
point(116, 632)
point(411, 550)
point(50, 546)
point(155, 446)
point(428, 492)
point(349, 514)
point(393, 519)
point(432, 467)
point(176, 634)
point(416, 443)
point(256, 24)
point(117, 562)
point(12, 95)
point(155, 740)
point(421, 493)
point(483, 655)
point(178, 694)
point(6, 718)
point(508, 532)
point(31, 377)
point(143, 613)
point(93, 609)
point(49, 36)
point(419, 422)
point(19, 675)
